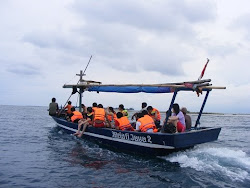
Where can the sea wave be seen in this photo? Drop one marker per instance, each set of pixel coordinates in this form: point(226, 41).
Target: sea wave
point(234, 164)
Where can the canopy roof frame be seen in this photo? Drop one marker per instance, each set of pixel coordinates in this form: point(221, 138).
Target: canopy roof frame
point(197, 85)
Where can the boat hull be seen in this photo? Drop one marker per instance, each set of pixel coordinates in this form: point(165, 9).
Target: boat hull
point(143, 143)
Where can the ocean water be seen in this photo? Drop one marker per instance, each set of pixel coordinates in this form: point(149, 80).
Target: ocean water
point(35, 153)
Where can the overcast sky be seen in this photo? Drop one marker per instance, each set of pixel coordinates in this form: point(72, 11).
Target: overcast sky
point(44, 43)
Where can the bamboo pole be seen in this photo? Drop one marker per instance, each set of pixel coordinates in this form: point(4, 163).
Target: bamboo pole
point(139, 85)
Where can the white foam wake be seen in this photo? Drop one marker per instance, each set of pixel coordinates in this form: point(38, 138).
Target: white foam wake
point(234, 164)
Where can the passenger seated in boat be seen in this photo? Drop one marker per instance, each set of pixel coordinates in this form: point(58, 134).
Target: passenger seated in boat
point(177, 118)
point(169, 127)
point(143, 107)
point(75, 116)
point(111, 115)
point(188, 120)
point(53, 107)
point(145, 123)
point(155, 114)
point(123, 111)
point(85, 122)
point(168, 114)
point(100, 117)
point(94, 106)
point(122, 123)
point(68, 107)
point(84, 111)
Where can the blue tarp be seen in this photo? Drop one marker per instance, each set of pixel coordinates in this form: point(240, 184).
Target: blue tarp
point(131, 89)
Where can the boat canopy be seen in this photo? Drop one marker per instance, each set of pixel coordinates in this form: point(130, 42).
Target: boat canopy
point(146, 88)
point(131, 89)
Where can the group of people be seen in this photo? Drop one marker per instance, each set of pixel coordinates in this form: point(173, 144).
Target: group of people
point(147, 119)
point(178, 120)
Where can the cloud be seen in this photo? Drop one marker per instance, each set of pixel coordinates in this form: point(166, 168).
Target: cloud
point(130, 36)
point(150, 36)
point(131, 42)
point(221, 50)
point(50, 39)
point(150, 15)
point(242, 23)
point(24, 69)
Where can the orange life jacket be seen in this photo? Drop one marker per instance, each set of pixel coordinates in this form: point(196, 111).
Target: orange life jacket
point(99, 114)
point(112, 117)
point(124, 123)
point(94, 108)
point(69, 106)
point(77, 115)
point(152, 114)
point(146, 123)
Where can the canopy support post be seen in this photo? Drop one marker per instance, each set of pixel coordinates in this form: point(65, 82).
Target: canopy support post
point(80, 100)
point(201, 110)
point(169, 109)
point(81, 90)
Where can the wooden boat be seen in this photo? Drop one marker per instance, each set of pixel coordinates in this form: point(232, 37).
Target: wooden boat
point(138, 142)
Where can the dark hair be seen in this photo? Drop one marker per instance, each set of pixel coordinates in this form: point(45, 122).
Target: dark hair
point(94, 104)
point(111, 109)
point(69, 102)
point(140, 115)
point(53, 99)
point(144, 112)
point(170, 128)
point(144, 104)
point(89, 109)
point(119, 114)
point(149, 108)
point(83, 105)
point(100, 106)
point(121, 106)
point(73, 109)
point(176, 108)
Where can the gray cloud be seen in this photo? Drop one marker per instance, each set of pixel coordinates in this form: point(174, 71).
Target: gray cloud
point(113, 30)
point(221, 50)
point(120, 47)
point(24, 69)
point(197, 11)
point(151, 15)
point(50, 40)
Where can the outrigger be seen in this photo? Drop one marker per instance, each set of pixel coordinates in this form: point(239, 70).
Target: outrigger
point(159, 143)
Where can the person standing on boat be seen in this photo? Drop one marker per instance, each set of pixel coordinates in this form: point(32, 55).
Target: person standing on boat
point(188, 120)
point(143, 107)
point(85, 122)
point(122, 123)
point(145, 123)
point(53, 107)
point(75, 116)
point(100, 117)
point(123, 111)
point(178, 118)
point(155, 114)
point(68, 107)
